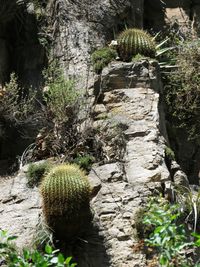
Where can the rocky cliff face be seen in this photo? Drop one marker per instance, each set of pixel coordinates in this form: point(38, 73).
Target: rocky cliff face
point(161, 14)
point(127, 100)
point(128, 107)
point(129, 94)
point(79, 27)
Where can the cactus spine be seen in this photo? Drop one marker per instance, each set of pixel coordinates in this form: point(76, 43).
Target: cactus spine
point(134, 41)
point(66, 192)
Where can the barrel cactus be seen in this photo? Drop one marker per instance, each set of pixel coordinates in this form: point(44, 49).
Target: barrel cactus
point(66, 192)
point(134, 41)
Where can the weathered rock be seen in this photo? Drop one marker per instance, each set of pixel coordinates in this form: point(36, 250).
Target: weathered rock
point(159, 14)
point(107, 173)
point(130, 97)
point(130, 93)
point(95, 184)
point(126, 75)
point(79, 27)
point(136, 106)
point(114, 208)
point(20, 209)
point(181, 180)
point(99, 111)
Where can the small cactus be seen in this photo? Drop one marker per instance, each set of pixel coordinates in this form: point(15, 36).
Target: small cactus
point(66, 193)
point(134, 41)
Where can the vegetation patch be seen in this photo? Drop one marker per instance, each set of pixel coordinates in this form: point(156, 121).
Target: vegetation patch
point(17, 104)
point(11, 257)
point(84, 161)
point(102, 57)
point(60, 94)
point(36, 171)
point(182, 90)
point(169, 154)
point(168, 238)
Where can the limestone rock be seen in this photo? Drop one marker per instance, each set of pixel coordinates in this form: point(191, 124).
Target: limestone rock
point(20, 209)
point(159, 14)
point(108, 172)
point(130, 94)
point(180, 180)
point(95, 184)
point(87, 25)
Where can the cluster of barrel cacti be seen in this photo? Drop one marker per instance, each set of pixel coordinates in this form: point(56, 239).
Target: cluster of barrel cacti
point(134, 41)
point(66, 193)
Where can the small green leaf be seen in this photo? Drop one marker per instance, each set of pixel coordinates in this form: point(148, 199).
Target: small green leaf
point(67, 261)
point(61, 258)
point(48, 249)
point(11, 238)
point(163, 260)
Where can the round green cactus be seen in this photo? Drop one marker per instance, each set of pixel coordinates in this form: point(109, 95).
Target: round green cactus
point(134, 41)
point(66, 192)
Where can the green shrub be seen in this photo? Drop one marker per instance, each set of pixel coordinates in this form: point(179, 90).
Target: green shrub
point(168, 236)
point(62, 117)
point(102, 57)
point(36, 171)
point(60, 94)
point(182, 90)
point(17, 104)
point(30, 258)
point(61, 97)
point(134, 41)
point(169, 153)
point(66, 192)
point(84, 161)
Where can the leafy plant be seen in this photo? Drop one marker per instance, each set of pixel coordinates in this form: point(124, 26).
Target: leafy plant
point(102, 57)
point(30, 258)
point(66, 191)
point(36, 171)
point(134, 41)
point(168, 237)
point(163, 50)
point(61, 109)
